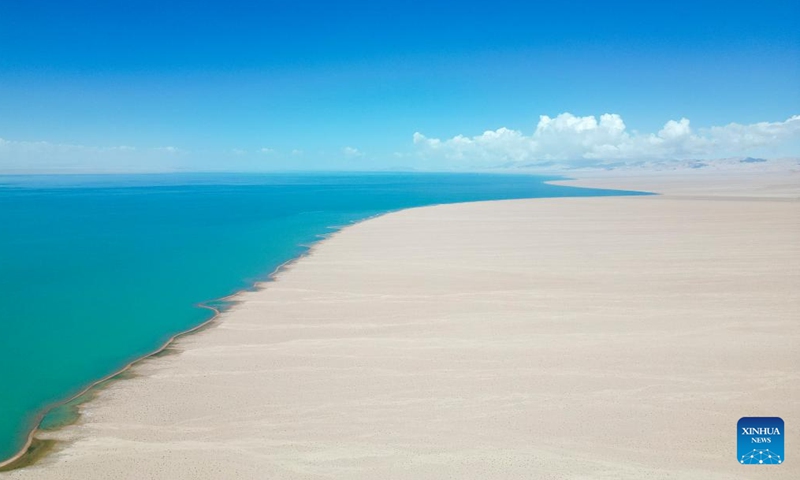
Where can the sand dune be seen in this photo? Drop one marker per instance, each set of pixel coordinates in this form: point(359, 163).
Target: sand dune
point(545, 338)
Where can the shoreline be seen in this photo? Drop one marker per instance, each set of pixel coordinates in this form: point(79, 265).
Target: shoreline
point(259, 286)
point(8, 464)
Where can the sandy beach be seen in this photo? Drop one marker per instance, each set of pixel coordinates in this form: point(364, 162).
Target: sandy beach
point(614, 337)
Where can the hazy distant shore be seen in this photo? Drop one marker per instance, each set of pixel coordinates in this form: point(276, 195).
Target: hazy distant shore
point(509, 339)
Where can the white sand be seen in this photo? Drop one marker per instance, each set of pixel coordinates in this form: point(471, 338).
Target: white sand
point(547, 338)
point(701, 184)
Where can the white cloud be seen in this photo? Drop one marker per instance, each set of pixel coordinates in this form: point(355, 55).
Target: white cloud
point(267, 151)
point(570, 139)
point(351, 152)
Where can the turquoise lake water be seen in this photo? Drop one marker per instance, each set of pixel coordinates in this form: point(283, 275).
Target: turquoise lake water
point(98, 270)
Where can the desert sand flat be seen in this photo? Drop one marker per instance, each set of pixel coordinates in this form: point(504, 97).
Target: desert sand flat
point(615, 337)
point(700, 184)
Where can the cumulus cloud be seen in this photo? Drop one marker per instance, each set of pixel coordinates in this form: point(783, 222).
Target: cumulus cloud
point(571, 139)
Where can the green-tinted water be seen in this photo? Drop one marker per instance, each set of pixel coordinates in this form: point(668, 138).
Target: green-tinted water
point(98, 270)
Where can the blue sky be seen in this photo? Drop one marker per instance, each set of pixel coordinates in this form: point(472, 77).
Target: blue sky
point(143, 86)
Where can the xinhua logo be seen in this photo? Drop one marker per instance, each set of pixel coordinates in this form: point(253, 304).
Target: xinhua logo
point(760, 441)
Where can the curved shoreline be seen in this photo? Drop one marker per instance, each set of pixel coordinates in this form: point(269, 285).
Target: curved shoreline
point(8, 464)
point(40, 417)
point(484, 341)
